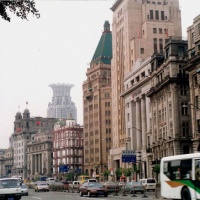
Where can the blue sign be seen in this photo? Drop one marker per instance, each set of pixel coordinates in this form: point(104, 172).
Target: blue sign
point(128, 158)
point(63, 168)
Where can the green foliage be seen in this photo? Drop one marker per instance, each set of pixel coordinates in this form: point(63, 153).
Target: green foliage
point(127, 171)
point(19, 7)
point(119, 172)
point(106, 173)
point(156, 169)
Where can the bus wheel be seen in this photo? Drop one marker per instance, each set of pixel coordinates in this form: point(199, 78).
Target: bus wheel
point(185, 194)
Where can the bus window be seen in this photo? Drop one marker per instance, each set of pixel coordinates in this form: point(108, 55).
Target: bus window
point(197, 170)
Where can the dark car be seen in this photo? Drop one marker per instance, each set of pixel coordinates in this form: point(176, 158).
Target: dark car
point(134, 187)
point(111, 186)
point(24, 190)
point(93, 188)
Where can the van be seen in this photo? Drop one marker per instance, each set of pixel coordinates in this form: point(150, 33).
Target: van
point(74, 185)
point(148, 183)
point(82, 178)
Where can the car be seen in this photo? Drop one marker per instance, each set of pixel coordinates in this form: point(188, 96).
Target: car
point(92, 188)
point(41, 186)
point(134, 187)
point(122, 184)
point(24, 190)
point(74, 185)
point(51, 181)
point(149, 183)
point(111, 186)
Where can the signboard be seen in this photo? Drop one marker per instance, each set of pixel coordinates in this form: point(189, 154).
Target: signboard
point(128, 156)
point(63, 168)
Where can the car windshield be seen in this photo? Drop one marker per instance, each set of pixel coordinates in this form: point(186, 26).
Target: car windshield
point(9, 183)
point(23, 186)
point(95, 185)
point(151, 181)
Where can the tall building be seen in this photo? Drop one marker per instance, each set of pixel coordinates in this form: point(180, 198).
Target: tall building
point(193, 67)
point(61, 106)
point(139, 30)
point(97, 107)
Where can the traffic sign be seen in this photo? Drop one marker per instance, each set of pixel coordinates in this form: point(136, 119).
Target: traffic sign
point(129, 158)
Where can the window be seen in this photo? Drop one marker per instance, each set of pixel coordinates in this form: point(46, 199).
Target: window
point(161, 45)
point(178, 169)
point(142, 50)
point(160, 30)
point(154, 30)
point(180, 51)
point(155, 45)
point(157, 15)
point(183, 90)
point(185, 129)
point(162, 15)
point(184, 109)
point(151, 14)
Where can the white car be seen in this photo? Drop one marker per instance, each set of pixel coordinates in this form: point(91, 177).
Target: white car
point(24, 190)
point(41, 186)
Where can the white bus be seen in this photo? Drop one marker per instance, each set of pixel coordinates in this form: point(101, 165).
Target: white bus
point(180, 176)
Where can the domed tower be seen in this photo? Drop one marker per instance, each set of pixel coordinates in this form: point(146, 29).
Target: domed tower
point(26, 114)
point(17, 123)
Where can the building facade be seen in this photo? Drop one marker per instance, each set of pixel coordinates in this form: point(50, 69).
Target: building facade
point(40, 155)
point(193, 67)
point(61, 106)
point(139, 29)
point(97, 107)
point(25, 127)
point(67, 148)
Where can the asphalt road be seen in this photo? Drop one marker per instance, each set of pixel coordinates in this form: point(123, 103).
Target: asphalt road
point(52, 195)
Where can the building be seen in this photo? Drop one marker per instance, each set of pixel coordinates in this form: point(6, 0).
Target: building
point(40, 155)
point(139, 29)
point(67, 148)
point(61, 106)
point(193, 67)
point(137, 115)
point(97, 106)
point(25, 127)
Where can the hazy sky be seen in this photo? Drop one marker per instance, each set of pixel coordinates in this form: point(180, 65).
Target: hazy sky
point(53, 49)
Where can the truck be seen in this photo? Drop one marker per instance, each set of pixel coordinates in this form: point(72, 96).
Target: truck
point(10, 189)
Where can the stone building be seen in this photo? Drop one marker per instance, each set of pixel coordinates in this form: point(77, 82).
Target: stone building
point(139, 29)
point(40, 155)
point(157, 118)
point(97, 106)
point(170, 127)
point(193, 67)
point(67, 148)
point(24, 129)
point(61, 106)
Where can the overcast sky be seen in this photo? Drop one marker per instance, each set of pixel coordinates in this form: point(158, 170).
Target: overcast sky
point(53, 49)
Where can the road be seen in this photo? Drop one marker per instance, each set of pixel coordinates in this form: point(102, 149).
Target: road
point(52, 195)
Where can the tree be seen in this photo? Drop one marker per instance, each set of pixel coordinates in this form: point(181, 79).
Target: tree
point(118, 172)
point(156, 169)
point(19, 7)
point(106, 173)
point(127, 171)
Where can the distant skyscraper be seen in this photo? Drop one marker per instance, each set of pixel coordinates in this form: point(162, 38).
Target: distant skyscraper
point(61, 106)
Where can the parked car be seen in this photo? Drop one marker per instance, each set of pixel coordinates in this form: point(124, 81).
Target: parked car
point(51, 180)
point(41, 186)
point(122, 184)
point(24, 190)
point(149, 183)
point(74, 185)
point(134, 187)
point(93, 188)
point(111, 186)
